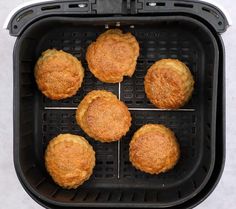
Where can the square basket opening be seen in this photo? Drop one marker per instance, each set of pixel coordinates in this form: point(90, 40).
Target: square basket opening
point(114, 179)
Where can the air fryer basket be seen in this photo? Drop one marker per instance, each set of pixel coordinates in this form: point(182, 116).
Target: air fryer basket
point(115, 183)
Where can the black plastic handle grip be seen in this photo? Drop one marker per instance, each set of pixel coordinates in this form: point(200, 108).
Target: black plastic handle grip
point(203, 11)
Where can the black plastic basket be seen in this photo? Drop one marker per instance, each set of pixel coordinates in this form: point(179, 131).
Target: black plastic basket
point(186, 30)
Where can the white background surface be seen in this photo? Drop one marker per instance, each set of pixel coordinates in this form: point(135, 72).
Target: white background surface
point(12, 194)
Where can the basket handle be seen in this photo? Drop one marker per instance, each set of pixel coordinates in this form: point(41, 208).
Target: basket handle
point(202, 10)
point(21, 17)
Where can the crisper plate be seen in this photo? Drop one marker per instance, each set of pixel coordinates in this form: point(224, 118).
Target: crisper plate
point(114, 181)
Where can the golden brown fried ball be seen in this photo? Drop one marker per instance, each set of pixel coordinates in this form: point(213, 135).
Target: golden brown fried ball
point(103, 117)
point(113, 56)
point(70, 160)
point(154, 149)
point(59, 75)
point(169, 83)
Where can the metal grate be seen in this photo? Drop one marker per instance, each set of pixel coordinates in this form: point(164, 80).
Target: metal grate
point(113, 171)
point(113, 159)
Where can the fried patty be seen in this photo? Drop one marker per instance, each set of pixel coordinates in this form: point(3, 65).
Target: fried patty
point(154, 149)
point(103, 117)
point(169, 84)
point(58, 74)
point(113, 56)
point(70, 160)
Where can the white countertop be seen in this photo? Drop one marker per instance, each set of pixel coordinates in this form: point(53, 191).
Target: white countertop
point(12, 195)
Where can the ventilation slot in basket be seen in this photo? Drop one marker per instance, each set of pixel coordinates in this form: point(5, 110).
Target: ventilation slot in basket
point(51, 7)
point(55, 192)
point(179, 194)
point(81, 5)
point(155, 4)
point(210, 11)
point(25, 14)
point(183, 5)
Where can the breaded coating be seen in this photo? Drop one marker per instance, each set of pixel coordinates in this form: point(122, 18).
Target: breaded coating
point(70, 160)
point(103, 117)
point(169, 84)
point(113, 56)
point(154, 149)
point(59, 75)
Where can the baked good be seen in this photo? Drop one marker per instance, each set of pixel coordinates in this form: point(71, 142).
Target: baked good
point(103, 117)
point(154, 149)
point(113, 55)
point(59, 75)
point(169, 84)
point(70, 160)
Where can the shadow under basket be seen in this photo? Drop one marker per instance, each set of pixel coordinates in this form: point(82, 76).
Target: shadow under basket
point(115, 183)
